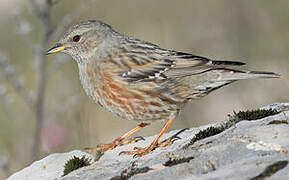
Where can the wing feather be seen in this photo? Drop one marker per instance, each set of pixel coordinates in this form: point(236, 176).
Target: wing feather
point(150, 63)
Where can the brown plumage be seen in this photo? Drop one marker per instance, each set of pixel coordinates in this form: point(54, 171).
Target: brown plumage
point(137, 80)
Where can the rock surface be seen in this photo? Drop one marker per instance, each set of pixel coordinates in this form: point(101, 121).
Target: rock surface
point(50, 167)
point(253, 149)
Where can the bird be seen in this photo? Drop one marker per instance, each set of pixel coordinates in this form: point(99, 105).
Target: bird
point(138, 80)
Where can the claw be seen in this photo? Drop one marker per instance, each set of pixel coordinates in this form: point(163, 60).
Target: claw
point(173, 139)
point(122, 152)
point(131, 140)
point(176, 137)
point(169, 141)
point(136, 156)
point(114, 144)
point(182, 130)
point(138, 152)
point(136, 148)
point(139, 138)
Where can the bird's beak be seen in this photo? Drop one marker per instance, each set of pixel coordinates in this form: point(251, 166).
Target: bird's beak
point(57, 48)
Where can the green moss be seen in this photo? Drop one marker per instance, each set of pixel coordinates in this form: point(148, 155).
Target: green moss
point(131, 171)
point(271, 169)
point(75, 163)
point(173, 162)
point(210, 131)
point(279, 122)
point(253, 114)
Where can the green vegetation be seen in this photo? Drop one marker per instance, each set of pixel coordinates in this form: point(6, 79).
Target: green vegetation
point(173, 162)
point(131, 171)
point(75, 163)
point(271, 169)
point(254, 114)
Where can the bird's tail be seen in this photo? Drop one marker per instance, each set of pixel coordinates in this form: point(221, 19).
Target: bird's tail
point(232, 75)
point(219, 77)
point(264, 74)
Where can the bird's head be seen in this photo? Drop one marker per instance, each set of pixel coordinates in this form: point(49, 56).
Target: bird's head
point(83, 40)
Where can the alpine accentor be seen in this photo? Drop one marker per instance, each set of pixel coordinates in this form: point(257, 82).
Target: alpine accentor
point(141, 81)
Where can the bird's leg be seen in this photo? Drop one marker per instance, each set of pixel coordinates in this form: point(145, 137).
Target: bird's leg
point(122, 140)
point(143, 151)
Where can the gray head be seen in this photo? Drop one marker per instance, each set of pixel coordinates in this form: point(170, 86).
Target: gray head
point(84, 39)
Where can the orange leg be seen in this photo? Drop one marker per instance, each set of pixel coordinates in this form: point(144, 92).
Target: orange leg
point(153, 145)
point(119, 141)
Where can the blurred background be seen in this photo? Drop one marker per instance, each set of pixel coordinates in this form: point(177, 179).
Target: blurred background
point(43, 108)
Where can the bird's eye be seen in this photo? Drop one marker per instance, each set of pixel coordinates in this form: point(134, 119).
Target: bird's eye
point(76, 38)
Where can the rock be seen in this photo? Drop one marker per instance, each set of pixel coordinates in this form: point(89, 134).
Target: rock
point(252, 149)
point(50, 167)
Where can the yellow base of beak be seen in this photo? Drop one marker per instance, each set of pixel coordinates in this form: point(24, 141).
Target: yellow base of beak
point(57, 48)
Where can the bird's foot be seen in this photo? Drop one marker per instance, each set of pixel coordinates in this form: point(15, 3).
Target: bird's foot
point(114, 144)
point(169, 141)
point(138, 151)
point(131, 140)
point(101, 148)
point(143, 151)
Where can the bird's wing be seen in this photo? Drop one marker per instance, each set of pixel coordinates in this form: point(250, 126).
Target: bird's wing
point(187, 64)
point(151, 63)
